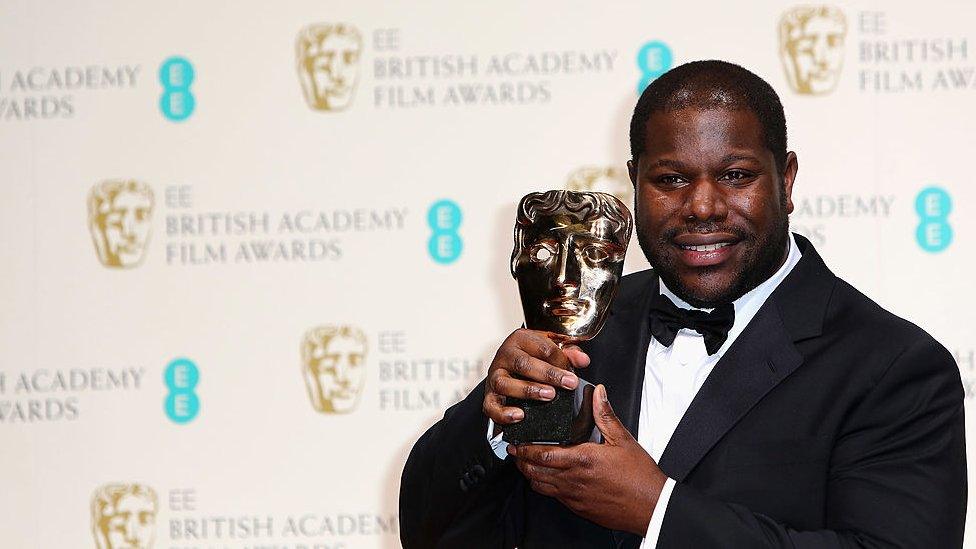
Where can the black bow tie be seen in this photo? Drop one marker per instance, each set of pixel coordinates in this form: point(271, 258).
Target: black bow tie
point(667, 318)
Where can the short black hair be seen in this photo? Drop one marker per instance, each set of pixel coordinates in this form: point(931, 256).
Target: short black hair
point(707, 85)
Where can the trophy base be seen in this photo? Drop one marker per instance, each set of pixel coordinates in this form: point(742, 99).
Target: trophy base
point(565, 420)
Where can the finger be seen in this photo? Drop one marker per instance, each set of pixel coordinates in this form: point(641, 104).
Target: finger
point(554, 457)
point(522, 364)
point(576, 356)
point(544, 488)
point(494, 407)
point(502, 383)
point(536, 344)
point(533, 471)
point(610, 427)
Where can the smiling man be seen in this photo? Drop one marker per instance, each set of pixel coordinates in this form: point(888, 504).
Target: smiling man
point(748, 397)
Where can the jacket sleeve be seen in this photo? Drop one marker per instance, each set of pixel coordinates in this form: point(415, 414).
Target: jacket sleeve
point(454, 491)
point(897, 475)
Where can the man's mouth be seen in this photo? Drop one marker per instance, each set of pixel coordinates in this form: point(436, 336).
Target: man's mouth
point(705, 249)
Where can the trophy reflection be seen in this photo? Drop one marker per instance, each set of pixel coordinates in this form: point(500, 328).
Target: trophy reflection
point(568, 259)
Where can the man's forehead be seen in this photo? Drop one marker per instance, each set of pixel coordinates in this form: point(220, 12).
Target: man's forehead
point(673, 132)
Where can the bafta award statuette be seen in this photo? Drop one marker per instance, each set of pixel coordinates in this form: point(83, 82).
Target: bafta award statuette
point(568, 259)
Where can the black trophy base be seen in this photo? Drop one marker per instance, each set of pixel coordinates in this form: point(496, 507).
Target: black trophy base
point(566, 419)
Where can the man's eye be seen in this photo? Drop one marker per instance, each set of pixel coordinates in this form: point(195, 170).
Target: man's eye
point(735, 175)
point(670, 180)
point(596, 253)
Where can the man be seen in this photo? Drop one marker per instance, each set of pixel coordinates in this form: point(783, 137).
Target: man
point(757, 399)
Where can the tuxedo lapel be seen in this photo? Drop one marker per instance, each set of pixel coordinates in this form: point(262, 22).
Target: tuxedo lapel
point(619, 353)
point(760, 358)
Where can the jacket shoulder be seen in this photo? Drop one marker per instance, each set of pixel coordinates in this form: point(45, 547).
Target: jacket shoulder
point(879, 333)
point(634, 284)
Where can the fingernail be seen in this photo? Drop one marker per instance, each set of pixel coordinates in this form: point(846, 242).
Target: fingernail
point(568, 381)
point(547, 392)
point(517, 415)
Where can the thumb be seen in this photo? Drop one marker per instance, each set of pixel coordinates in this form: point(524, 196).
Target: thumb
point(610, 427)
point(576, 356)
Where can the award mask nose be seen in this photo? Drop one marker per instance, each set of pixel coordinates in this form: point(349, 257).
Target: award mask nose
point(568, 267)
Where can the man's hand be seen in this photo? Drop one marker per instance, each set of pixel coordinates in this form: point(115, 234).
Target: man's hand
point(528, 365)
point(615, 484)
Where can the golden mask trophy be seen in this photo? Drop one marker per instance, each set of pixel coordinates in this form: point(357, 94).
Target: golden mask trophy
point(568, 259)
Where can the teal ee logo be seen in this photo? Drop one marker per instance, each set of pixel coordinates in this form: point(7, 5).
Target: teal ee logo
point(444, 218)
point(933, 205)
point(177, 102)
point(181, 378)
point(653, 59)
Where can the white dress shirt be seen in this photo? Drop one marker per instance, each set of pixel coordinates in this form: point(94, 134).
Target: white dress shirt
point(672, 377)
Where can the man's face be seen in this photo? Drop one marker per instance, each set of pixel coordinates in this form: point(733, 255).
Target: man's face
point(126, 228)
point(815, 47)
point(130, 524)
point(567, 270)
point(332, 69)
point(712, 213)
point(337, 373)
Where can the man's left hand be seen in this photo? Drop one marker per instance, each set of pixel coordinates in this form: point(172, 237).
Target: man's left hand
point(615, 484)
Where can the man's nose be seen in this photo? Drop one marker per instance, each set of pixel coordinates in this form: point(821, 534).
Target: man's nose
point(705, 201)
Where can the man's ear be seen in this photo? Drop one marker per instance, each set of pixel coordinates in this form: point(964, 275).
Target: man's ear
point(632, 171)
point(789, 176)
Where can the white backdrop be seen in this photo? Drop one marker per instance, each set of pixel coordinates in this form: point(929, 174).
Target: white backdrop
point(159, 392)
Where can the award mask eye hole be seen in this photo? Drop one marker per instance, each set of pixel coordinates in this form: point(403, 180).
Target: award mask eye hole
point(540, 253)
point(596, 253)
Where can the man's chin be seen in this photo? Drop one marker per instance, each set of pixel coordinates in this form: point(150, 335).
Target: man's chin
point(702, 290)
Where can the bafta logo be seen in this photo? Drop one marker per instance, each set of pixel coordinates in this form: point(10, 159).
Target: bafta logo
point(124, 516)
point(120, 218)
point(811, 43)
point(328, 64)
point(334, 367)
point(608, 180)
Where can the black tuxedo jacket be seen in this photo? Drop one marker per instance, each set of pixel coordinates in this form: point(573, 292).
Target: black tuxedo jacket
point(829, 422)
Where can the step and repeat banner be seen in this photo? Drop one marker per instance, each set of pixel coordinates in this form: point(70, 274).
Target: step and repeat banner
point(252, 250)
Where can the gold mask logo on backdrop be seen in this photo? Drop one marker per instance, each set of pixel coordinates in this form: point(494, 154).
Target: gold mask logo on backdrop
point(811, 47)
point(124, 516)
point(120, 220)
point(327, 56)
point(605, 179)
point(334, 367)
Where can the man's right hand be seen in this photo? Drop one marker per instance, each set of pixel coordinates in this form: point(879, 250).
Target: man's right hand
point(528, 365)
